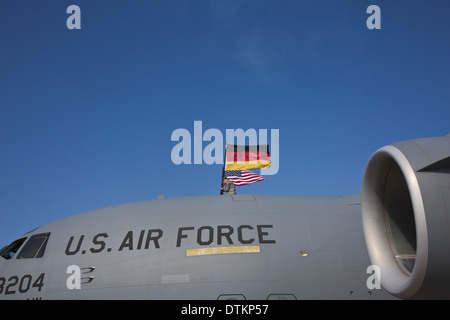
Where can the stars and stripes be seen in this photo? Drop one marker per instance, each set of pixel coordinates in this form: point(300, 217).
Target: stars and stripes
point(243, 177)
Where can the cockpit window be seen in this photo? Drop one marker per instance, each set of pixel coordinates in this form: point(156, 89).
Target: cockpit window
point(8, 252)
point(35, 246)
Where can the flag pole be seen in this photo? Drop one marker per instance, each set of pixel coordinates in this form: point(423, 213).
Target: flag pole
point(223, 169)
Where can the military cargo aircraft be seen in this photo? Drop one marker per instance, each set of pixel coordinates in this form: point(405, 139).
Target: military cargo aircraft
point(390, 241)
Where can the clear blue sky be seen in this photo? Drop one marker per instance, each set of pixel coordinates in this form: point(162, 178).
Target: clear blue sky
point(86, 115)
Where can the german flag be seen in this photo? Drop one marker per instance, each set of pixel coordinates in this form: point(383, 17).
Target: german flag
point(246, 157)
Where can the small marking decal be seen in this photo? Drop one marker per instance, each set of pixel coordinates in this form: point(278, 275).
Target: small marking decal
point(220, 250)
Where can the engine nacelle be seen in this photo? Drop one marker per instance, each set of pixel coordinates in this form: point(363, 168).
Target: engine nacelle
point(405, 203)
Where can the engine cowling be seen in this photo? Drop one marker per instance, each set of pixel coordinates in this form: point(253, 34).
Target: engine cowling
point(405, 203)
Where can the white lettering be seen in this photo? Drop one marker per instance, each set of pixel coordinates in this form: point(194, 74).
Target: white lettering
point(213, 152)
point(74, 280)
point(184, 146)
point(275, 152)
point(374, 281)
point(374, 21)
point(216, 146)
point(198, 310)
point(74, 21)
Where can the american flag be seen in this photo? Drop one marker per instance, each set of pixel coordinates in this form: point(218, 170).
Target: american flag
point(243, 177)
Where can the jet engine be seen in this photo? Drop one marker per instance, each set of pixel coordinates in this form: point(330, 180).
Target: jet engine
point(405, 204)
